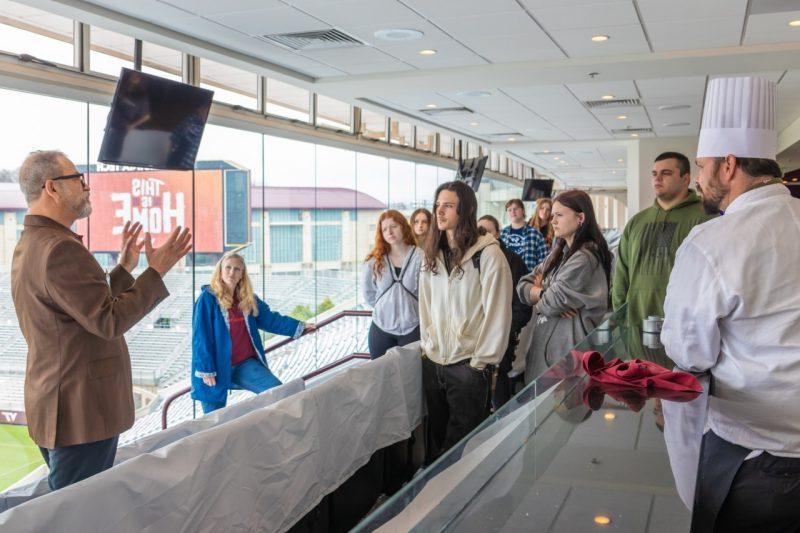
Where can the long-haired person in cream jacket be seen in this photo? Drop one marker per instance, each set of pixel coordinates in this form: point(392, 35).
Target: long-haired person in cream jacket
point(465, 297)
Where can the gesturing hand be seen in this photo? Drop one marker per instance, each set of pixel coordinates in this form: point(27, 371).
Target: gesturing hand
point(163, 258)
point(131, 246)
point(211, 381)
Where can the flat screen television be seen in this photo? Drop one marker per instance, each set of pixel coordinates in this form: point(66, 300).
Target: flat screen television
point(470, 171)
point(533, 189)
point(154, 122)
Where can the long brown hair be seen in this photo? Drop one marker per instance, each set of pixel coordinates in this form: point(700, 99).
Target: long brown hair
point(535, 222)
point(244, 290)
point(382, 248)
point(466, 232)
point(588, 235)
point(421, 211)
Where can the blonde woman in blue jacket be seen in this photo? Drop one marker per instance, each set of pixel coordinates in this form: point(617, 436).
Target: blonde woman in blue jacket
point(226, 346)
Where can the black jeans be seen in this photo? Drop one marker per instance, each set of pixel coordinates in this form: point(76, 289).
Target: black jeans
point(504, 388)
point(70, 464)
point(379, 341)
point(458, 401)
point(764, 496)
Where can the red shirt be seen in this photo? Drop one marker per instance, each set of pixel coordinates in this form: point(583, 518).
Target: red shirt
point(241, 344)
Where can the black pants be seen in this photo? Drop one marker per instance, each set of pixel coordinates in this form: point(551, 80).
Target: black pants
point(379, 341)
point(70, 464)
point(733, 494)
point(504, 388)
point(458, 401)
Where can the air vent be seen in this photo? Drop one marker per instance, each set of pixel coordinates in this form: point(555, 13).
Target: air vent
point(607, 104)
point(548, 153)
point(313, 40)
point(444, 111)
point(622, 131)
point(505, 134)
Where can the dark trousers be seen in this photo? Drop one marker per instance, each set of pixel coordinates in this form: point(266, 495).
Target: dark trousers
point(379, 341)
point(458, 401)
point(70, 464)
point(733, 494)
point(504, 388)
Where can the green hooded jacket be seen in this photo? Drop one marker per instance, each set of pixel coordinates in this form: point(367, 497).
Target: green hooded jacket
point(647, 253)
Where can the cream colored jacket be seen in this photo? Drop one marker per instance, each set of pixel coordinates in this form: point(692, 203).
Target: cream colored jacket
point(467, 315)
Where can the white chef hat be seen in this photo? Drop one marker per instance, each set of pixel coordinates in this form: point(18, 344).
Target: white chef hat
point(739, 119)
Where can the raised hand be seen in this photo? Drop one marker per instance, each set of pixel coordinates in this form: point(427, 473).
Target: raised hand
point(163, 258)
point(131, 246)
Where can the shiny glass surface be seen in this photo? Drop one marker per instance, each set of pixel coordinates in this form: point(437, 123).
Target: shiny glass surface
point(563, 456)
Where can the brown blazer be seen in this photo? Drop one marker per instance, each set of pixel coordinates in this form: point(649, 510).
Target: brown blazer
point(78, 385)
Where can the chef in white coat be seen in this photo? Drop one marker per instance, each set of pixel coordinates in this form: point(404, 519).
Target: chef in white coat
point(733, 308)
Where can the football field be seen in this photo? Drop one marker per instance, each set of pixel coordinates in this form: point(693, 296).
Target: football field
point(18, 454)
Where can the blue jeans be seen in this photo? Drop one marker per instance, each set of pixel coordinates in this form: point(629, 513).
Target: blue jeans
point(249, 375)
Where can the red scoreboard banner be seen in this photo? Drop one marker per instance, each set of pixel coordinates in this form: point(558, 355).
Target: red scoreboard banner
point(160, 200)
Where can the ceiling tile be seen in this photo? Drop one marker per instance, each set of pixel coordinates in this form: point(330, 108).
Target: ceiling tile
point(772, 28)
point(693, 86)
point(446, 8)
point(695, 34)
point(566, 17)
point(268, 21)
point(347, 56)
point(623, 40)
point(678, 10)
point(595, 90)
point(385, 13)
point(215, 7)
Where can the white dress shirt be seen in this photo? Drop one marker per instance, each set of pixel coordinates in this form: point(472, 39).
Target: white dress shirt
point(733, 306)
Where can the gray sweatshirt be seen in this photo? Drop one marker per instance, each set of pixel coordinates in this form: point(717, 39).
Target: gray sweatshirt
point(394, 298)
point(578, 284)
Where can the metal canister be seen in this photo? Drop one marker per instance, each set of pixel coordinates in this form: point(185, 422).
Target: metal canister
point(652, 324)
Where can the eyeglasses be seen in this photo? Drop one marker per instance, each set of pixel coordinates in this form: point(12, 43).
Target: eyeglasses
point(69, 177)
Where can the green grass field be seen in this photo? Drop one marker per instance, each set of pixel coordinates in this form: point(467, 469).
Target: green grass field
point(18, 455)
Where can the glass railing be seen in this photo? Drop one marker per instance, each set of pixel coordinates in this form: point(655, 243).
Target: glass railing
point(559, 456)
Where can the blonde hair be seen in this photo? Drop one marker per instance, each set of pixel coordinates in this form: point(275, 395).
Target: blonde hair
point(244, 290)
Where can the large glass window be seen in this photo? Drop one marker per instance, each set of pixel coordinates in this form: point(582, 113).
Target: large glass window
point(333, 114)
point(402, 133)
point(446, 146)
point(162, 61)
point(27, 30)
point(373, 125)
point(230, 84)
point(426, 140)
point(287, 101)
point(110, 51)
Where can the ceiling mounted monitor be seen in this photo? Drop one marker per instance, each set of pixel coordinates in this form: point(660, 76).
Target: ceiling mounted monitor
point(154, 122)
point(533, 189)
point(470, 171)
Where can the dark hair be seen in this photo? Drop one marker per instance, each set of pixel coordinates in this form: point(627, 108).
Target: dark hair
point(517, 202)
point(491, 219)
point(466, 232)
point(754, 166)
point(683, 161)
point(588, 235)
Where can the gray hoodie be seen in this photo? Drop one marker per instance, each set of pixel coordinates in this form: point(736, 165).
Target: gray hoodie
point(394, 298)
point(578, 284)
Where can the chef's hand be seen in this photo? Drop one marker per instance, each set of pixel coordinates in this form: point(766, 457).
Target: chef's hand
point(210, 380)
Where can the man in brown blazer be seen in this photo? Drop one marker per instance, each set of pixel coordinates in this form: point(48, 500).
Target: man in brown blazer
point(78, 387)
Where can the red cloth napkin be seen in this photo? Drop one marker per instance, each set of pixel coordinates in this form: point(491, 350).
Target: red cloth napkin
point(638, 374)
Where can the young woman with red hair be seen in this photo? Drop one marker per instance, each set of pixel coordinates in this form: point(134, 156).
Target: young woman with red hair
point(390, 284)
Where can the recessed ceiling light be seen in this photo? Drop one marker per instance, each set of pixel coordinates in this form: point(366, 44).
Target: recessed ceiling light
point(547, 151)
point(611, 416)
point(427, 52)
point(398, 34)
point(556, 158)
point(673, 107)
point(634, 134)
point(511, 139)
point(795, 23)
point(676, 124)
point(622, 117)
point(607, 97)
point(430, 106)
point(473, 123)
point(599, 38)
point(620, 160)
point(602, 520)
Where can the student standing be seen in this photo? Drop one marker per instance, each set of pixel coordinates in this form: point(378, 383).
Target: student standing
point(522, 239)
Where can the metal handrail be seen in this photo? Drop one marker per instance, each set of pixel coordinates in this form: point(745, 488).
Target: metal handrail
point(352, 312)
